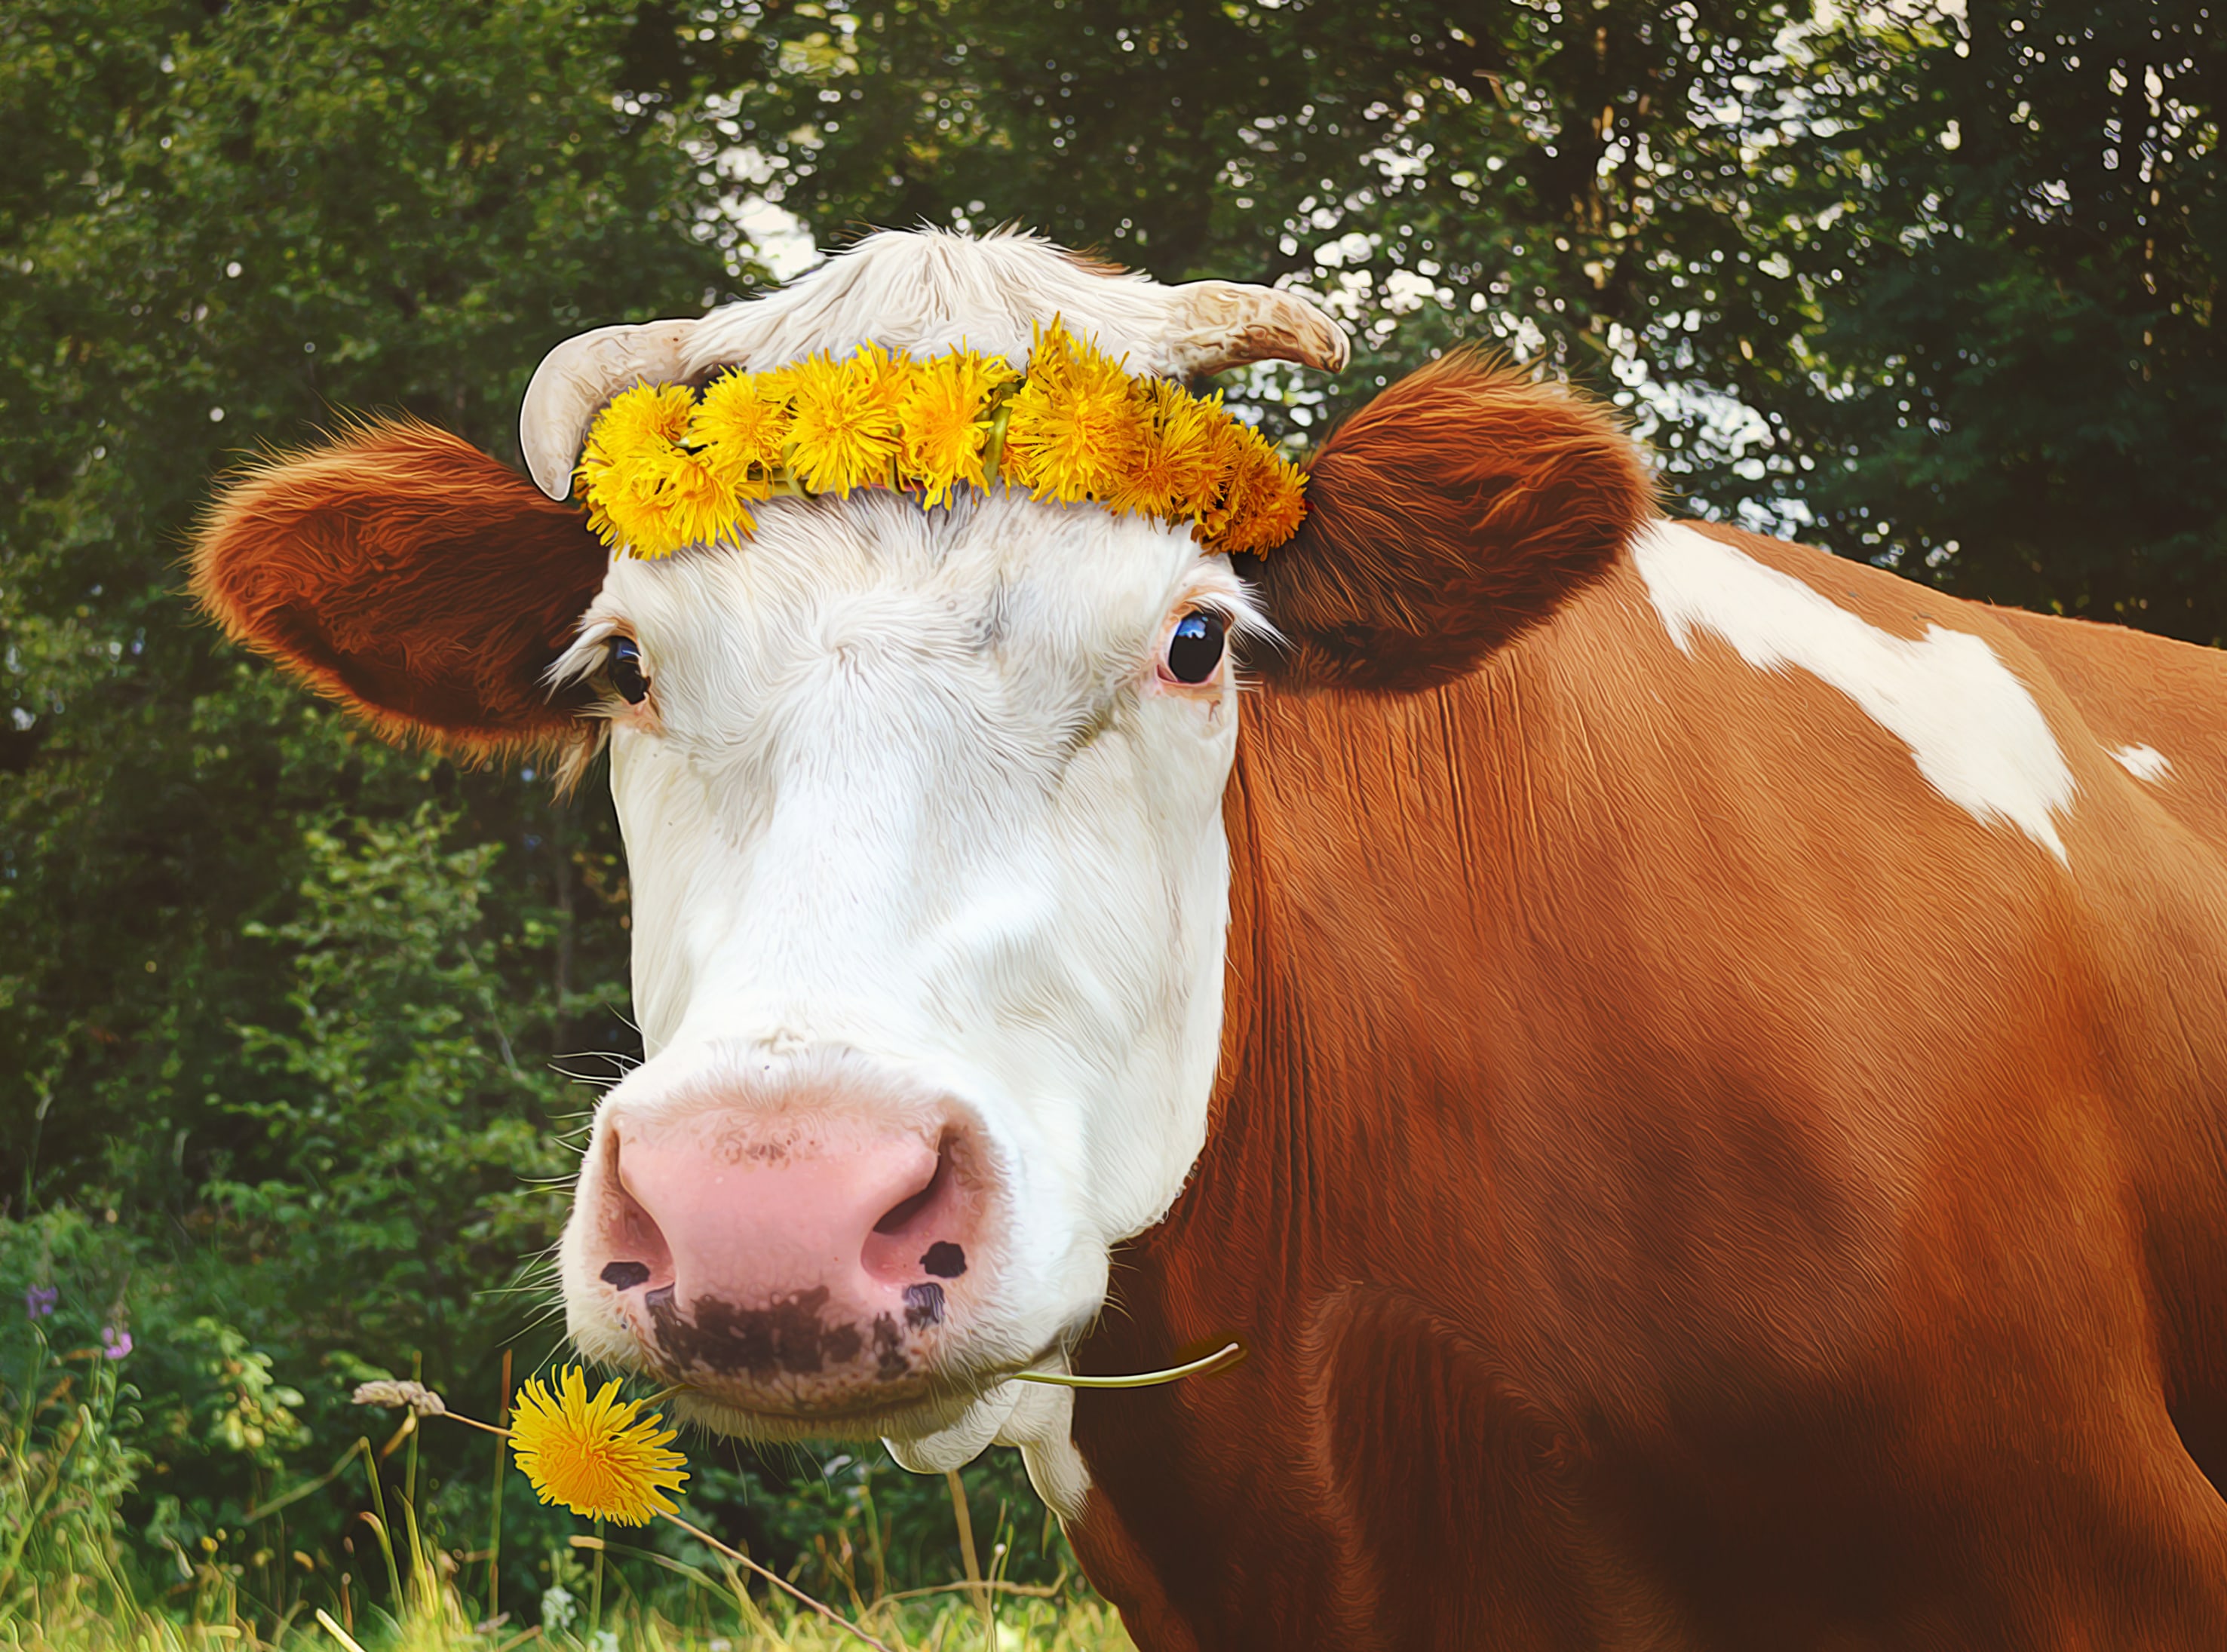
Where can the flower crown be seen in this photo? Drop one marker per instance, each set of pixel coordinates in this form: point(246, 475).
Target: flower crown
point(663, 468)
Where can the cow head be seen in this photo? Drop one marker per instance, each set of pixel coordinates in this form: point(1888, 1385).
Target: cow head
point(922, 807)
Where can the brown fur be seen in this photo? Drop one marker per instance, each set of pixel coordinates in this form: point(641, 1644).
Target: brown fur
point(407, 575)
point(1450, 514)
point(1683, 1183)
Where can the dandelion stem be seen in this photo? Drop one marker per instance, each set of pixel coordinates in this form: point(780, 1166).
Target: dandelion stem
point(701, 1536)
point(474, 1422)
point(1144, 1380)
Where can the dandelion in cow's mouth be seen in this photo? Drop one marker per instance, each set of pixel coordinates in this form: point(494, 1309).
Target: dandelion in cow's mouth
point(600, 1457)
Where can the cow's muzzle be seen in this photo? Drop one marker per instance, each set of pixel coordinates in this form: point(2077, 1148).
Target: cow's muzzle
point(793, 1266)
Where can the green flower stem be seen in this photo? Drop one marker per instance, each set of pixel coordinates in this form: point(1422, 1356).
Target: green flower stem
point(1229, 1356)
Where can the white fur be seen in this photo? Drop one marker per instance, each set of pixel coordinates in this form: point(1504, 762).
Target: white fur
point(2143, 763)
point(1974, 731)
point(916, 797)
point(925, 292)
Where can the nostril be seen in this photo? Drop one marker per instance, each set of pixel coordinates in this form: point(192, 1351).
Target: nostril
point(900, 1214)
point(630, 1237)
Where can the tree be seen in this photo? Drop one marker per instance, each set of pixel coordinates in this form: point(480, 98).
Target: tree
point(1932, 293)
point(1990, 358)
point(222, 231)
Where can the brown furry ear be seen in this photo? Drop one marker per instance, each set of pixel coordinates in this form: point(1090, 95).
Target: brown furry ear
point(419, 582)
point(1462, 506)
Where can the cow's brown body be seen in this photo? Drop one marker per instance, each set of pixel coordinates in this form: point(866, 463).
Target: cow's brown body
point(1682, 1183)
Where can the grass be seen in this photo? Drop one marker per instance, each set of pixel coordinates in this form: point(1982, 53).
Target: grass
point(64, 1584)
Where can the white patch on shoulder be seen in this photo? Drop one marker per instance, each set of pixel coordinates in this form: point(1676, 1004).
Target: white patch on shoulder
point(2143, 763)
point(1972, 727)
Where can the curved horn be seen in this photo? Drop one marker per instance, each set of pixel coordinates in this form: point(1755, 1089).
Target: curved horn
point(1217, 324)
point(577, 378)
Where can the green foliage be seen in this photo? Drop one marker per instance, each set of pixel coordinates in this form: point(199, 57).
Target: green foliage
point(65, 1465)
point(1995, 252)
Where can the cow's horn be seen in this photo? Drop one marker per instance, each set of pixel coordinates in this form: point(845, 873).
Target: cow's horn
point(1217, 324)
point(577, 378)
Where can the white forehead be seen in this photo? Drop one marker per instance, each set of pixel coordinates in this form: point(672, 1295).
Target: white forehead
point(1056, 605)
point(925, 291)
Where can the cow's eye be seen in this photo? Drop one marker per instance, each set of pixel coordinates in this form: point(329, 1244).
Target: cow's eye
point(624, 666)
point(1195, 645)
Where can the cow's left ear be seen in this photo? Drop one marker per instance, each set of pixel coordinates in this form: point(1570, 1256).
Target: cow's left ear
point(1461, 507)
point(415, 579)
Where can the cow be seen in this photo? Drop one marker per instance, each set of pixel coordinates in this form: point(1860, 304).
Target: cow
point(1695, 1069)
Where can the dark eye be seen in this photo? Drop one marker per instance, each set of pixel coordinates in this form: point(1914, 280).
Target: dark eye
point(1195, 645)
point(624, 666)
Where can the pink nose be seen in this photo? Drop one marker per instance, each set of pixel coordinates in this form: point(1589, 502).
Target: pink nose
point(820, 1264)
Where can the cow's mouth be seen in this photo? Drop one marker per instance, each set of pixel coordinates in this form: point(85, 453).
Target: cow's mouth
point(925, 1405)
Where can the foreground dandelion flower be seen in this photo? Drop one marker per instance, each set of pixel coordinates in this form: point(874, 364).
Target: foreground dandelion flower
point(633, 457)
point(673, 499)
point(1267, 497)
point(599, 1458)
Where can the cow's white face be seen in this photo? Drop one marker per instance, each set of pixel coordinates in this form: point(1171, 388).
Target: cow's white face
point(929, 887)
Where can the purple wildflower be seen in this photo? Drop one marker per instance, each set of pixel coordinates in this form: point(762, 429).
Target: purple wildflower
point(39, 1301)
point(114, 1343)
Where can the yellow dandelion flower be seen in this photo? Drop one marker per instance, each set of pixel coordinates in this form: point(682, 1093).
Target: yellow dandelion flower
point(1262, 502)
point(646, 416)
point(943, 410)
point(741, 427)
point(638, 433)
point(1210, 506)
point(661, 502)
point(845, 430)
point(1275, 504)
point(599, 1458)
point(1175, 464)
point(1077, 427)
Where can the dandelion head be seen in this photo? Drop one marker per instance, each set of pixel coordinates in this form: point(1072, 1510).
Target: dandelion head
point(644, 489)
point(844, 432)
point(600, 1457)
point(1174, 468)
point(741, 427)
point(1077, 425)
point(665, 502)
point(1265, 502)
point(942, 410)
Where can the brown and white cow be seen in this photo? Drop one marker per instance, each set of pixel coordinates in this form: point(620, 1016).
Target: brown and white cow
point(1696, 1070)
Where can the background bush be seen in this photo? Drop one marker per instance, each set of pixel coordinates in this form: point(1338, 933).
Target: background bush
point(295, 1026)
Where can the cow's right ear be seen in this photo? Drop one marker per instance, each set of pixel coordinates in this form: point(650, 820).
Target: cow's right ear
point(1458, 508)
point(419, 582)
